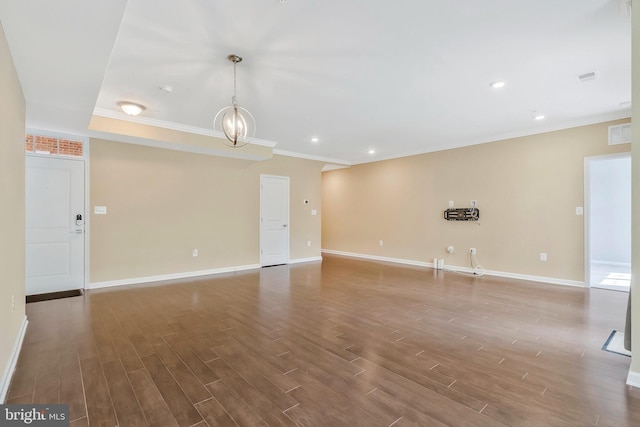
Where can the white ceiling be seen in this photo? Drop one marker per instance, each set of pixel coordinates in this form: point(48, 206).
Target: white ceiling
point(400, 77)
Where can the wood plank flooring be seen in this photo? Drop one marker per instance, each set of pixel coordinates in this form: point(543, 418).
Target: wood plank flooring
point(344, 342)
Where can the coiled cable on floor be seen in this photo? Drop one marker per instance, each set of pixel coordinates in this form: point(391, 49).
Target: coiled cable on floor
point(477, 269)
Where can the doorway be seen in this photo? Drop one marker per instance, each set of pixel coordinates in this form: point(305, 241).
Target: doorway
point(55, 224)
point(608, 221)
point(274, 220)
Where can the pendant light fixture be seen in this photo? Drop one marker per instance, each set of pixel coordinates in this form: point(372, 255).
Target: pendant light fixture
point(237, 123)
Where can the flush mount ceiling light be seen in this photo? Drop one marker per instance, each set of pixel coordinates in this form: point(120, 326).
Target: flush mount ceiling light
point(131, 108)
point(538, 117)
point(497, 85)
point(237, 123)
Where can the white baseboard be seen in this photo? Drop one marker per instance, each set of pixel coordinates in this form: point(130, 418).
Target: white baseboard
point(301, 260)
point(379, 258)
point(508, 275)
point(541, 279)
point(186, 275)
point(164, 277)
point(633, 379)
point(13, 360)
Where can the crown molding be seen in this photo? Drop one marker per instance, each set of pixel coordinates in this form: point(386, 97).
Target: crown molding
point(311, 157)
point(110, 114)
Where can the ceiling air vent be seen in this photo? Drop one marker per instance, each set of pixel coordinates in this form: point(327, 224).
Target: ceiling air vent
point(587, 76)
point(620, 134)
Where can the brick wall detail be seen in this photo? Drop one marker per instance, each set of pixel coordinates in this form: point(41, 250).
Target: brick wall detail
point(53, 146)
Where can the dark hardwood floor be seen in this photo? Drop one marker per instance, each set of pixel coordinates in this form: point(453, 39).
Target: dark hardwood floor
point(340, 343)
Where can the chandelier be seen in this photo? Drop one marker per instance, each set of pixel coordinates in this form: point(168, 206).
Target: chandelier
point(237, 123)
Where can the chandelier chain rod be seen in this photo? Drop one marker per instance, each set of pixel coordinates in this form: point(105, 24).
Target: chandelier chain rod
point(234, 100)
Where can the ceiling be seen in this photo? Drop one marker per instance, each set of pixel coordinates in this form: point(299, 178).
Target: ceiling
point(397, 77)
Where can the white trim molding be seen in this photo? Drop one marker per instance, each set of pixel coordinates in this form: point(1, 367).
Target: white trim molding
point(542, 279)
point(301, 260)
point(101, 112)
point(344, 163)
point(379, 258)
point(633, 379)
point(165, 277)
point(13, 361)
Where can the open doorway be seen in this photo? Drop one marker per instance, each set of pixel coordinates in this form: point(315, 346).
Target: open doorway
point(608, 221)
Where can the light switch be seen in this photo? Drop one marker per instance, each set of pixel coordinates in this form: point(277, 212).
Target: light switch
point(579, 210)
point(314, 212)
point(100, 210)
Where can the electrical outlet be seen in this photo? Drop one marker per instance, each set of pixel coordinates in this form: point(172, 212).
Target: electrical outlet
point(472, 251)
point(450, 249)
point(195, 253)
point(450, 203)
point(309, 243)
point(13, 303)
point(474, 203)
point(381, 243)
point(543, 256)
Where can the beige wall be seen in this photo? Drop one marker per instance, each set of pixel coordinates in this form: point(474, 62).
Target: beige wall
point(635, 203)
point(12, 129)
point(162, 204)
point(527, 191)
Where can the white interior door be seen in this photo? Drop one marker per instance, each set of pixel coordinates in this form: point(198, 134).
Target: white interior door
point(274, 220)
point(55, 217)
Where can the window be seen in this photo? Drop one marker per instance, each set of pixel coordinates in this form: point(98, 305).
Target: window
point(53, 145)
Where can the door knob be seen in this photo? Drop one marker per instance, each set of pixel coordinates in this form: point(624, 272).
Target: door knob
point(284, 225)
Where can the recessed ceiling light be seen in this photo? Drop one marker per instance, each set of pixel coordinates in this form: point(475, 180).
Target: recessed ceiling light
point(538, 117)
point(315, 139)
point(372, 151)
point(497, 84)
point(131, 108)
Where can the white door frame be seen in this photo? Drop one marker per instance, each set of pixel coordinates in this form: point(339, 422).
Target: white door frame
point(587, 208)
point(288, 219)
